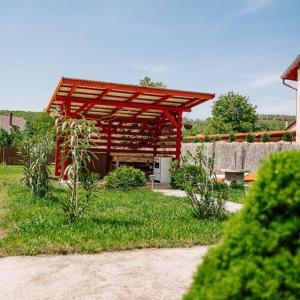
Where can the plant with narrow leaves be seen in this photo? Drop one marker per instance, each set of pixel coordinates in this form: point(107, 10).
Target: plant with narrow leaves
point(265, 138)
point(35, 154)
point(78, 136)
point(288, 137)
point(197, 177)
point(232, 137)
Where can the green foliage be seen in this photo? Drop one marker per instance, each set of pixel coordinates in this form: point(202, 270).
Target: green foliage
point(4, 138)
point(250, 138)
point(78, 137)
point(196, 140)
point(216, 125)
point(10, 139)
point(196, 176)
point(186, 172)
point(216, 138)
point(269, 125)
point(235, 110)
point(232, 137)
point(198, 127)
point(147, 82)
point(125, 178)
point(259, 257)
point(207, 139)
point(40, 123)
point(36, 156)
point(288, 137)
point(265, 138)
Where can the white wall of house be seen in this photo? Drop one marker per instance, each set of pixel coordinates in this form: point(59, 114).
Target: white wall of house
point(298, 109)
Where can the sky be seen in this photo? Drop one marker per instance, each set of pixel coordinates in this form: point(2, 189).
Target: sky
point(207, 46)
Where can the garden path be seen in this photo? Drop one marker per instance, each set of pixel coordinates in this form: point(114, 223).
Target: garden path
point(137, 274)
point(230, 206)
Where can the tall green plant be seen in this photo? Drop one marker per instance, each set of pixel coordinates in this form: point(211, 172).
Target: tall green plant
point(78, 137)
point(203, 191)
point(35, 153)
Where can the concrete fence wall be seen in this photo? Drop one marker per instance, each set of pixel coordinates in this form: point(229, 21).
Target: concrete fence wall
point(239, 155)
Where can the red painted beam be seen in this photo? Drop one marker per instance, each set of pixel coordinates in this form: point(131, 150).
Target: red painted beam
point(122, 104)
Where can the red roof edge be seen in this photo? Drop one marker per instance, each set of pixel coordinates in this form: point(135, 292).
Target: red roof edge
point(291, 71)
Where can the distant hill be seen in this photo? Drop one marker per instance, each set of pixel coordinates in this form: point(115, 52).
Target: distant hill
point(288, 118)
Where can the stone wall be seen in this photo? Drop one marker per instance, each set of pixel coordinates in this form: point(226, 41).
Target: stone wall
point(239, 155)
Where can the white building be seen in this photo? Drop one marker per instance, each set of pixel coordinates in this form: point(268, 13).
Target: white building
point(293, 74)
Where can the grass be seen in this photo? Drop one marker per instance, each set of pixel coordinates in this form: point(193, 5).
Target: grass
point(236, 194)
point(115, 220)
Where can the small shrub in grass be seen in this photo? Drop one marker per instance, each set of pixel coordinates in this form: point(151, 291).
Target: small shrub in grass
point(232, 137)
point(265, 138)
point(125, 178)
point(250, 138)
point(260, 254)
point(288, 137)
point(36, 155)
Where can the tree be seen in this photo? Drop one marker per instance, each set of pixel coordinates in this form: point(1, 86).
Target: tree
point(40, 123)
point(147, 82)
point(235, 110)
point(216, 125)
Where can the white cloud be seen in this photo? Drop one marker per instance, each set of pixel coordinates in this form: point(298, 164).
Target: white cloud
point(160, 68)
point(266, 80)
point(254, 6)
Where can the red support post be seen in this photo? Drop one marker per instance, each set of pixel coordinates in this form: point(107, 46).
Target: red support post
point(57, 157)
point(178, 137)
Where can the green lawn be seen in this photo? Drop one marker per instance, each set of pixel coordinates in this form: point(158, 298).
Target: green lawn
point(115, 220)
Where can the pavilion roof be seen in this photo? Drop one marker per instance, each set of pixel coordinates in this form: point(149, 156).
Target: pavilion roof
point(291, 71)
point(98, 99)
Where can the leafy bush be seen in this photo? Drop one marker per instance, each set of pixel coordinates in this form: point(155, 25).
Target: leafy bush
point(186, 172)
point(207, 139)
point(197, 140)
point(125, 178)
point(250, 138)
point(259, 257)
point(11, 139)
point(288, 137)
point(36, 156)
point(265, 138)
point(232, 137)
point(217, 138)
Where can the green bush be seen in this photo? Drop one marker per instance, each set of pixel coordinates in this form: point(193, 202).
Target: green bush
point(217, 138)
point(197, 140)
point(207, 139)
point(260, 254)
point(250, 138)
point(232, 137)
point(265, 138)
point(288, 137)
point(179, 175)
point(125, 178)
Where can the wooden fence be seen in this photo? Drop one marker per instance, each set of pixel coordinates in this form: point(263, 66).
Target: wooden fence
point(10, 156)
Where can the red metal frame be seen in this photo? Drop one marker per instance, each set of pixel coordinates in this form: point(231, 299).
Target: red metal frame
point(133, 119)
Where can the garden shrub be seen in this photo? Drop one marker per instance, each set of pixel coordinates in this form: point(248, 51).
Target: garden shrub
point(207, 139)
point(265, 138)
point(35, 154)
point(217, 138)
point(288, 137)
point(125, 178)
point(179, 175)
point(250, 138)
point(260, 254)
point(197, 140)
point(232, 137)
